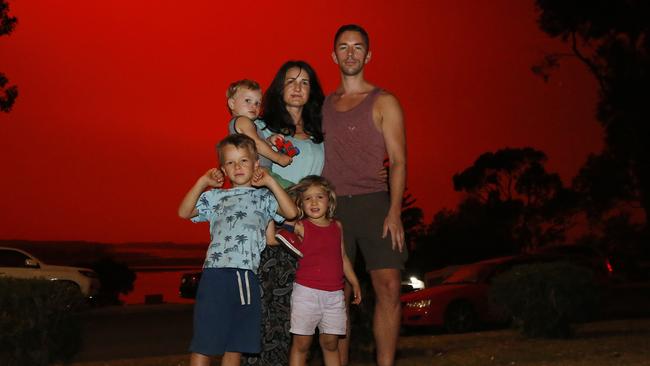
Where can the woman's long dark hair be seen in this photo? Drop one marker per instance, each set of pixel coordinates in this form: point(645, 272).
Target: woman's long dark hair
point(275, 113)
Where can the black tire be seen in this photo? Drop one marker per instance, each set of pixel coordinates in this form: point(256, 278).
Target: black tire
point(460, 317)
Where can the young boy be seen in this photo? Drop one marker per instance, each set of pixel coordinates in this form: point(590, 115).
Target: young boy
point(227, 314)
point(244, 98)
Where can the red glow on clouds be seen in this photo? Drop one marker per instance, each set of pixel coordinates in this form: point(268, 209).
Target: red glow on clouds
point(121, 102)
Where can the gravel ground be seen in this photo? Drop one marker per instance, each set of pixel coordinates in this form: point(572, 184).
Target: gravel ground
point(620, 342)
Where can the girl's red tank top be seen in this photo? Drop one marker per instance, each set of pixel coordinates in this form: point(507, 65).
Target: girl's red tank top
point(321, 266)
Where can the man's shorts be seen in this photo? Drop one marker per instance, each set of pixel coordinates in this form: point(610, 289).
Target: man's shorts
point(227, 312)
point(363, 217)
point(311, 308)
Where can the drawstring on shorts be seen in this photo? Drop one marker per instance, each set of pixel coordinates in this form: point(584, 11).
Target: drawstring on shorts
point(241, 289)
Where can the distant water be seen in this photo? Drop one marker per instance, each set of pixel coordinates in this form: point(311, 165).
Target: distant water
point(158, 280)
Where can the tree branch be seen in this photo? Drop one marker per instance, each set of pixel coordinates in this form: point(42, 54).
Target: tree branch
point(585, 60)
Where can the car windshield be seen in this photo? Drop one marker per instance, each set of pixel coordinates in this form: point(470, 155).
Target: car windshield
point(471, 273)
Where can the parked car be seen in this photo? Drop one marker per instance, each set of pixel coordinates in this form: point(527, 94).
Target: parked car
point(20, 264)
point(189, 284)
point(459, 303)
point(456, 297)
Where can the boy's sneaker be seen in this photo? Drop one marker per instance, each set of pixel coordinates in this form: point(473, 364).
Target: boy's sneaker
point(289, 240)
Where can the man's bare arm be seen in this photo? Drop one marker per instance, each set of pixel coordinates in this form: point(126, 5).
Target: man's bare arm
point(392, 128)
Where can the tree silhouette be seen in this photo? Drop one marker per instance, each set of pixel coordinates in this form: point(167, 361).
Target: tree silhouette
point(511, 204)
point(513, 185)
point(611, 38)
point(604, 185)
point(8, 94)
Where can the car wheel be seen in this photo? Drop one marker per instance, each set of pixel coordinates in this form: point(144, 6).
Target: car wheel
point(460, 317)
point(70, 286)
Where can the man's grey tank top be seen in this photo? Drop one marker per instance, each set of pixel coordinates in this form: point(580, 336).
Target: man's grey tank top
point(259, 126)
point(354, 149)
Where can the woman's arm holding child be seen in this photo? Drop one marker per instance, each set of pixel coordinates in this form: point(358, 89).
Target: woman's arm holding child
point(211, 178)
point(348, 271)
point(286, 207)
point(248, 128)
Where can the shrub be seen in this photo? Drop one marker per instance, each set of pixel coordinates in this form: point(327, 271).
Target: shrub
point(39, 322)
point(545, 299)
point(115, 277)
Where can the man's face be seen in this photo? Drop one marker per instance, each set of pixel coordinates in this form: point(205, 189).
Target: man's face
point(246, 102)
point(351, 53)
point(238, 164)
point(296, 87)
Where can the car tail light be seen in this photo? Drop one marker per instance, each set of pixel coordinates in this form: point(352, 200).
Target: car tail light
point(418, 304)
point(610, 270)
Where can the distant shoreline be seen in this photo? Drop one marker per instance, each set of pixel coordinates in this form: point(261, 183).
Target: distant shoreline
point(141, 257)
point(171, 268)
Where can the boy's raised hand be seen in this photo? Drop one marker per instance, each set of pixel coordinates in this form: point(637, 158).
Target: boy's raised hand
point(261, 177)
point(213, 178)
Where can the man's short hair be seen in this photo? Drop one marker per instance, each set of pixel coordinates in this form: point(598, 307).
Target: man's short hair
point(353, 28)
point(239, 141)
point(244, 83)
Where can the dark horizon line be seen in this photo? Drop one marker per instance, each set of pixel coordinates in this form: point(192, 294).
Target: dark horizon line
point(137, 243)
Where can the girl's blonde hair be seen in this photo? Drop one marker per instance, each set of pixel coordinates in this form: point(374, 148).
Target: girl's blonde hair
point(296, 191)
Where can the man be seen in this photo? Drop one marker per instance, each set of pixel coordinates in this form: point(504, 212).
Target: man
point(363, 124)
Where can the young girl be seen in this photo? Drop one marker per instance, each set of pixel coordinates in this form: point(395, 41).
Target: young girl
point(317, 299)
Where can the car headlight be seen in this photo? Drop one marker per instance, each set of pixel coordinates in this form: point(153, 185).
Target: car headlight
point(90, 274)
point(416, 283)
point(419, 304)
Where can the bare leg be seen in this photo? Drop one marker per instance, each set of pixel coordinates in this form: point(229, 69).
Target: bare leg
point(197, 359)
point(344, 342)
point(231, 359)
point(299, 350)
point(386, 321)
point(329, 344)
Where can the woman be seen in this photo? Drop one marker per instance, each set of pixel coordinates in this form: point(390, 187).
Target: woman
point(291, 107)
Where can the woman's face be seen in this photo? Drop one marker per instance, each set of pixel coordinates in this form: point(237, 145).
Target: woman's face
point(296, 87)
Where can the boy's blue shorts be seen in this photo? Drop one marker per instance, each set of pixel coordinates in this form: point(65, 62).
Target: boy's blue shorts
point(227, 312)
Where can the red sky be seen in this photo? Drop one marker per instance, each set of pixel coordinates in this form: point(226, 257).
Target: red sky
point(121, 101)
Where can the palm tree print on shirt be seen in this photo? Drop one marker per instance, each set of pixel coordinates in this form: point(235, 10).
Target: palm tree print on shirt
point(241, 239)
point(215, 256)
point(203, 201)
point(239, 215)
